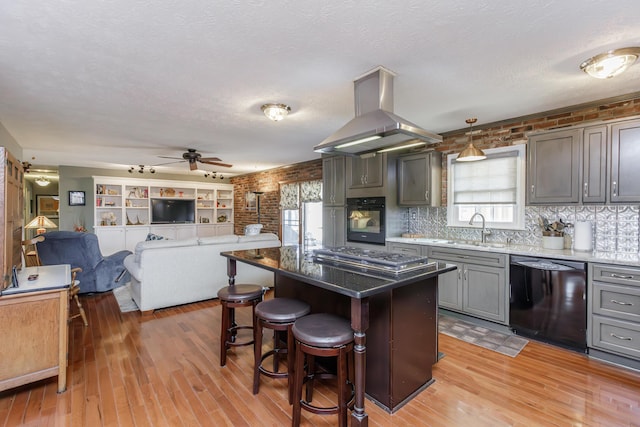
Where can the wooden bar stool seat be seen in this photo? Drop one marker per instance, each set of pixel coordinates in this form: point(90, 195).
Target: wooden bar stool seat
point(323, 335)
point(278, 314)
point(232, 297)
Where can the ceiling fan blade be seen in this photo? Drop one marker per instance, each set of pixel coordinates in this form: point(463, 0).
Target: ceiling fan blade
point(193, 165)
point(225, 165)
point(169, 163)
point(175, 158)
point(210, 159)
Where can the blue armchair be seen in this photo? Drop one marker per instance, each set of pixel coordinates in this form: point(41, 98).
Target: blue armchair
point(99, 274)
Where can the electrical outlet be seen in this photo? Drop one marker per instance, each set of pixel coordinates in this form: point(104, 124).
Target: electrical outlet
point(414, 215)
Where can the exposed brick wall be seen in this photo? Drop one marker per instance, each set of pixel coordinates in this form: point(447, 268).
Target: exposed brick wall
point(269, 182)
point(513, 132)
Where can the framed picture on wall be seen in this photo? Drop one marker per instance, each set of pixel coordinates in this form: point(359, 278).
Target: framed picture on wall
point(76, 198)
point(47, 206)
point(250, 201)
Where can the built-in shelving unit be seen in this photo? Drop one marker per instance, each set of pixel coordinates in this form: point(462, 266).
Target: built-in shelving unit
point(123, 210)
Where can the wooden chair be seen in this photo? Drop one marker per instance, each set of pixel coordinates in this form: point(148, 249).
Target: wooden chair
point(74, 290)
point(30, 251)
point(32, 259)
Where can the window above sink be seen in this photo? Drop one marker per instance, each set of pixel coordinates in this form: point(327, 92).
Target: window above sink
point(494, 187)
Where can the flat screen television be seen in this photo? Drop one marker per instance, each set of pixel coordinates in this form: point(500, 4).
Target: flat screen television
point(171, 211)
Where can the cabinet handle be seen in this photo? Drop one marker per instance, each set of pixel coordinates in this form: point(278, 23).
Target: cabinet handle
point(532, 188)
point(426, 195)
point(615, 188)
point(586, 186)
point(621, 338)
point(620, 276)
point(621, 302)
point(459, 274)
point(465, 274)
point(361, 179)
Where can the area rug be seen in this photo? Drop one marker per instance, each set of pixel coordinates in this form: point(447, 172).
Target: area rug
point(509, 345)
point(124, 298)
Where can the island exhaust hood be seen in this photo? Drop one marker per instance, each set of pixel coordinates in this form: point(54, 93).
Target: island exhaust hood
point(375, 127)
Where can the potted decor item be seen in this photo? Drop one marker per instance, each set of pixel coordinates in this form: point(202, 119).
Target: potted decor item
point(552, 233)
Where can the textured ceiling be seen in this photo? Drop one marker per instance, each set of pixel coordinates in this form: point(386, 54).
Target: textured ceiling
point(121, 82)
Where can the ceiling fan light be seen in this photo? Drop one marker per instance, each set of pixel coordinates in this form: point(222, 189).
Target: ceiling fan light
point(42, 181)
point(276, 112)
point(611, 63)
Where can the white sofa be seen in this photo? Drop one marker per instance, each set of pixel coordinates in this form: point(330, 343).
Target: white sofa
point(165, 273)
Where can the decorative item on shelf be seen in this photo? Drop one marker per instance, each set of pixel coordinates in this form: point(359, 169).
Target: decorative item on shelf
point(112, 192)
point(222, 218)
point(205, 220)
point(162, 192)
point(110, 203)
point(98, 201)
point(79, 227)
point(553, 233)
point(108, 218)
point(169, 192)
point(138, 222)
point(129, 221)
point(181, 193)
point(127, 203)
point(145, 193)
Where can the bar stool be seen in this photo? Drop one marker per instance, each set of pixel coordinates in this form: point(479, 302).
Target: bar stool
point(278, 314)
point(323, 335)
point(232, 297)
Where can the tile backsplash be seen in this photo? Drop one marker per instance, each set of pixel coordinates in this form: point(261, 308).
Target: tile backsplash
point(616, 227)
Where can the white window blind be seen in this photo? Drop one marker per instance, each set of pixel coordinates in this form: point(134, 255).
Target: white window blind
point(490, 181)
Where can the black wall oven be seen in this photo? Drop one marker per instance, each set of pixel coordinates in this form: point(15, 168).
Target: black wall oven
point(365, 220)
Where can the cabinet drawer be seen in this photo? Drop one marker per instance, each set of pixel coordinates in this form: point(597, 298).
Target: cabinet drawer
point(488, 259)
point(621, 302)
point(617, 336)
point(616, 274)
point(405, 248)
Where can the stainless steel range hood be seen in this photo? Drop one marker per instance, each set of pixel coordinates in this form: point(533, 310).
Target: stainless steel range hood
point(375, 127)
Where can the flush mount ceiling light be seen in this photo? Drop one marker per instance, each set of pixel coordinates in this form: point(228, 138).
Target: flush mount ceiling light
point(471, 153)
point(276, 112)
point(42, 181)
point(611, 63)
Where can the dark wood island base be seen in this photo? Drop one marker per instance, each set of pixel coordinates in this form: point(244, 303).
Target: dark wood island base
point(394, 319)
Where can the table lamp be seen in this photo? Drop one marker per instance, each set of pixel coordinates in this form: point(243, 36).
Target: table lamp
point(41, 223)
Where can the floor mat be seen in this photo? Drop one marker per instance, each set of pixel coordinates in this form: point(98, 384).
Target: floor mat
point(124, 298)
point(506, 344)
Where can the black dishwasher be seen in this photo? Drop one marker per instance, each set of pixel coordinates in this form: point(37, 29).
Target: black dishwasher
point(548, 301)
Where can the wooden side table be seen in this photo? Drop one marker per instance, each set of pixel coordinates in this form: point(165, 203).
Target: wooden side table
point(33, 327)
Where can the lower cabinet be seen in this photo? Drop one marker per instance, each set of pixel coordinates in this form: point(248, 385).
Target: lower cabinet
point(111, 239)
point(405, 248)
point(614, 310)
point(478, 287)
point(334, 226)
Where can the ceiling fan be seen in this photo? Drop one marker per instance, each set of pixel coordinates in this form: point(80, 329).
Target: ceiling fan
point(193, 157)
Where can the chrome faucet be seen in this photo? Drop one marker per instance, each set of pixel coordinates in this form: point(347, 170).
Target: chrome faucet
point(485, 232)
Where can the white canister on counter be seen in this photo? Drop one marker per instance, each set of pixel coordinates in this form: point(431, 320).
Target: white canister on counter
point(583, 236)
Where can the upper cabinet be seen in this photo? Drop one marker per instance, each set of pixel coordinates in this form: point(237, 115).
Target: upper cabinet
point(553, 167)
point(625, 162)
point(366, 172)
point(333, 188)
point(419, 179)
point(594, 164)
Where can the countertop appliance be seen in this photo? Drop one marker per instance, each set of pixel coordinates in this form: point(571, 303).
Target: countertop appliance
point(381, 261)
point(548, 301)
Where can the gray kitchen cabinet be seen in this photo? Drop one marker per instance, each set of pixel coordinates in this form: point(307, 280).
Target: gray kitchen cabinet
point(594, 164)
point(613, 310)
point(334, 226)
point(478, 287)
point(419, 179)
point(553, 167)
point(366, 172)
point(625, 159)
point(333, 182)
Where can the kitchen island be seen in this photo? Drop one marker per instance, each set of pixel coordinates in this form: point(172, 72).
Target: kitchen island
point(394, 316)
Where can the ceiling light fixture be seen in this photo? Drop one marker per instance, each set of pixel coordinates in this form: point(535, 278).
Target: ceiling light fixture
point(471, 153)
point(276, 112)
point(610, 63)
point(42, 181)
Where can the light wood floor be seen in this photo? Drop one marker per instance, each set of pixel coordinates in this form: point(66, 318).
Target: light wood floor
point(163, 370)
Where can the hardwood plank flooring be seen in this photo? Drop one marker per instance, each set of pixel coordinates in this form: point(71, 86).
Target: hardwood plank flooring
point(163, 370)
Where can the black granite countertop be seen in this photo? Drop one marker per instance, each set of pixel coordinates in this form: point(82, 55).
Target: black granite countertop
point(294, 262)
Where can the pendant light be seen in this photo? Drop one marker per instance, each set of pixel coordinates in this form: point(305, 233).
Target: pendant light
point(471, 153)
